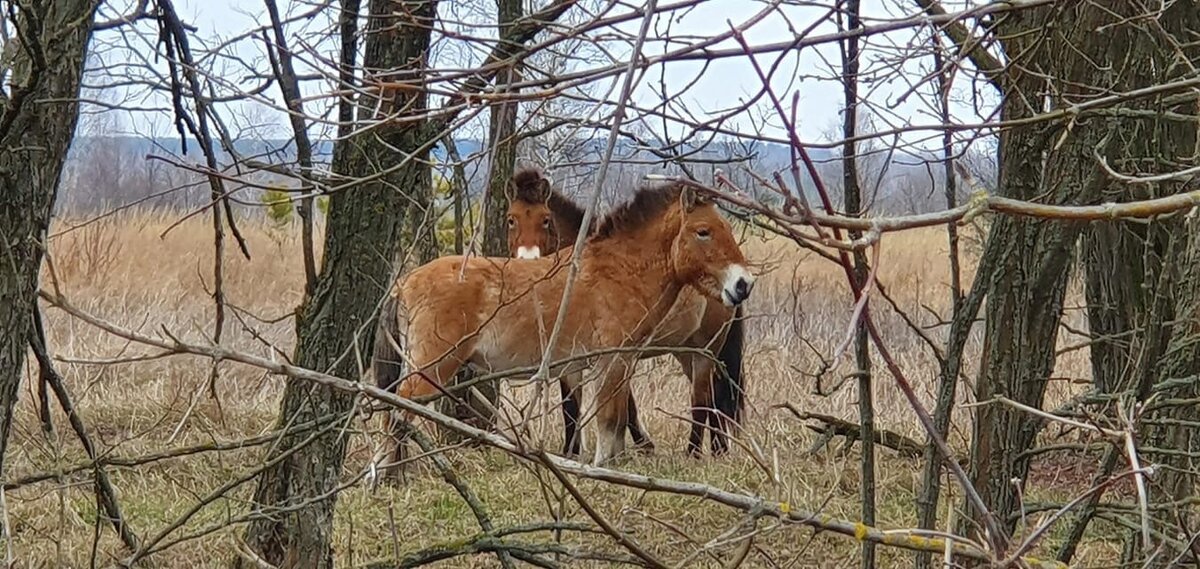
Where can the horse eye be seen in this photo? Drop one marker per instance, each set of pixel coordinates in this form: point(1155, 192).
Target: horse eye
point(703, 234)
point(512, 222)
point(546, 223)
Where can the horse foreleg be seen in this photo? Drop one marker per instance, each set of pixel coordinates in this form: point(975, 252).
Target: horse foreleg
point(706, 378)
point(569, 385)
point(612, 408)
point(704, 417)
point(636, 430)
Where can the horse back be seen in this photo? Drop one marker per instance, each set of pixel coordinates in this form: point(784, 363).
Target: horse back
point(487, 305)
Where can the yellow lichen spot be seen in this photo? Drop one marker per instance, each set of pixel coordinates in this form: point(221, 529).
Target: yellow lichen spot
point(785, 507)
point(860, 531)
point(976, 205)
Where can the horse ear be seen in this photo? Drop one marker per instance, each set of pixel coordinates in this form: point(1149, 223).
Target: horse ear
point(689, 198)
point(543, 187)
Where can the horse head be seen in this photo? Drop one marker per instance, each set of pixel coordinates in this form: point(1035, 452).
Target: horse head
point(706, 255)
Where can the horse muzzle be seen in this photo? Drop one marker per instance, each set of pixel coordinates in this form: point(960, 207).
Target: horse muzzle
point(736, 286)
point(534, 252)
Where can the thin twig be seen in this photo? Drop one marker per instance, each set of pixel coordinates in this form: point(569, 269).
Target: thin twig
point(618, 117)
point(625, 541)
point(105, 494)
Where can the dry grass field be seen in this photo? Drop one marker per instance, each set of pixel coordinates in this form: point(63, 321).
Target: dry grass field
point(139, 272)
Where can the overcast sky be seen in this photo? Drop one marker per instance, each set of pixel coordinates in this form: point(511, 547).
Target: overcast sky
point(720, 85)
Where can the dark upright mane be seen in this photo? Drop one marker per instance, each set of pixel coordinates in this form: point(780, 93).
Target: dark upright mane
point(647, 204)
point(529, 185)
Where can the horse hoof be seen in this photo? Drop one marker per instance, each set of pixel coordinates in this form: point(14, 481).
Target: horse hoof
point(645, 449)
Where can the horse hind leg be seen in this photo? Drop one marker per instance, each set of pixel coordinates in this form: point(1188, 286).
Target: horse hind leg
point(428, 380)
point(397, 429)
point(388, 367)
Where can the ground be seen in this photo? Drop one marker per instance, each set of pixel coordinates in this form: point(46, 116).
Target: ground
point(142, 271)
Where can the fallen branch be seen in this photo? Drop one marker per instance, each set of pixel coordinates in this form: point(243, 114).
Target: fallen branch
point(130, 462)
point(530, 552)
point(902, 444)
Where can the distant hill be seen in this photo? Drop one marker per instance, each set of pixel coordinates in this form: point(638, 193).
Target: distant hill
point(106, 172)
point(282, 150)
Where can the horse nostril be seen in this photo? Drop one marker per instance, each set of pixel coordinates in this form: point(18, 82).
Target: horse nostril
point(742, 288)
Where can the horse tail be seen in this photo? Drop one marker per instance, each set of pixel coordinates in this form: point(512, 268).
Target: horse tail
point(729, 390)
point(387, 364)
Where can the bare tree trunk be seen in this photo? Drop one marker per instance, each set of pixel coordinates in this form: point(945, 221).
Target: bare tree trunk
point(928, 496)
point(1068, 62)
point(1169, 422)
point(1142, 288)
point(37, 124)
point(502, 140)
point(348, 34)
point(335, 328)
point(853, 203)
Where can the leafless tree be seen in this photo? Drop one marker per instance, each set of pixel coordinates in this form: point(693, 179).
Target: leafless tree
point(1061, 131)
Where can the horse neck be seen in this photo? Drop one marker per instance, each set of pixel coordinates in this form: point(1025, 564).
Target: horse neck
point(641, 258)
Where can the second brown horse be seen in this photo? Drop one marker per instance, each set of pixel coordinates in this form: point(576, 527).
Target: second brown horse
point(641, 264)
point(542, 221)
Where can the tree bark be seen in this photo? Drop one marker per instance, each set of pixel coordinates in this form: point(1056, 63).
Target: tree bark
point(335, 328)
point(37, 124)
point(1068, 62)
point(1142, 287)
point(503, 142)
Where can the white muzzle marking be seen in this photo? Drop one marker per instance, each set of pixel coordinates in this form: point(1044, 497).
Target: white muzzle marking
point(738, 283)
point(528, 252)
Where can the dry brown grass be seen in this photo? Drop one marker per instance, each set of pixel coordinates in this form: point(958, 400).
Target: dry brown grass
point(126, 271)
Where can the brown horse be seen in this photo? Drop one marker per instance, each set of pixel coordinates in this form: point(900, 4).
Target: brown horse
point(542, 221)
point(632, 271)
